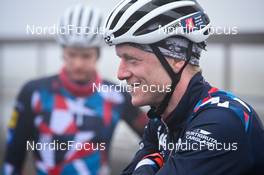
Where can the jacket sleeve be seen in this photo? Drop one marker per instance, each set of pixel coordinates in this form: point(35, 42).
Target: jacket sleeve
point(215, 142)
point(148, 145)
point(20, 128)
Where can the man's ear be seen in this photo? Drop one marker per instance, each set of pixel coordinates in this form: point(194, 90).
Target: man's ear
point(175, 64)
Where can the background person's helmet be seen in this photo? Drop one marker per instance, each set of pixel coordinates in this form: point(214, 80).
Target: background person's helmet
point(150, 21)
point(81, 26)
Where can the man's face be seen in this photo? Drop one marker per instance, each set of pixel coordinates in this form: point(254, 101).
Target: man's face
point(80, 63)
point(144, 70)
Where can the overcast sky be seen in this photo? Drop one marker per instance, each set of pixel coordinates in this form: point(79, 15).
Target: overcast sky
point(16, 14)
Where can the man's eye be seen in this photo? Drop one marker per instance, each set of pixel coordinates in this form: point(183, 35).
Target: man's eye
point(132, 61)
point(71, 55)
point(87, 56)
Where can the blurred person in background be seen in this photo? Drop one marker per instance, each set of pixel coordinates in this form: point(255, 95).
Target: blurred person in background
point(65, 113)
point(194, 128)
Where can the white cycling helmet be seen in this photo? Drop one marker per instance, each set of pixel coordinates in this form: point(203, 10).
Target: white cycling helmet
point(82, 27)
point(150, 21)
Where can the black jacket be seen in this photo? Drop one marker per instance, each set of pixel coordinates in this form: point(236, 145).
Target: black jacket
point(209, 132)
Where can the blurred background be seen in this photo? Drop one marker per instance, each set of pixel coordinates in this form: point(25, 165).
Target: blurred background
point(232, 61)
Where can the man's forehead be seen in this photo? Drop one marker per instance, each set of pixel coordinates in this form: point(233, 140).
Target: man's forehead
point(124, 49)
point(129, 50)
point(124, 45)
point(80, 49)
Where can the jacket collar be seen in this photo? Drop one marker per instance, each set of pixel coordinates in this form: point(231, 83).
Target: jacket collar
point(76, 89)
point(197, 89)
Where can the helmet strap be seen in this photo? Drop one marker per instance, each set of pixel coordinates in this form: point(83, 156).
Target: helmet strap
point(175, 78)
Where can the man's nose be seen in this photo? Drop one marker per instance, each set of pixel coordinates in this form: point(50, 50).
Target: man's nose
point(78, 62)
point(123, 72)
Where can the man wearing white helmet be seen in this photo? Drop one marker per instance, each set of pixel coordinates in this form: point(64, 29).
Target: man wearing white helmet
point(194, 128)
point(62, 118)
